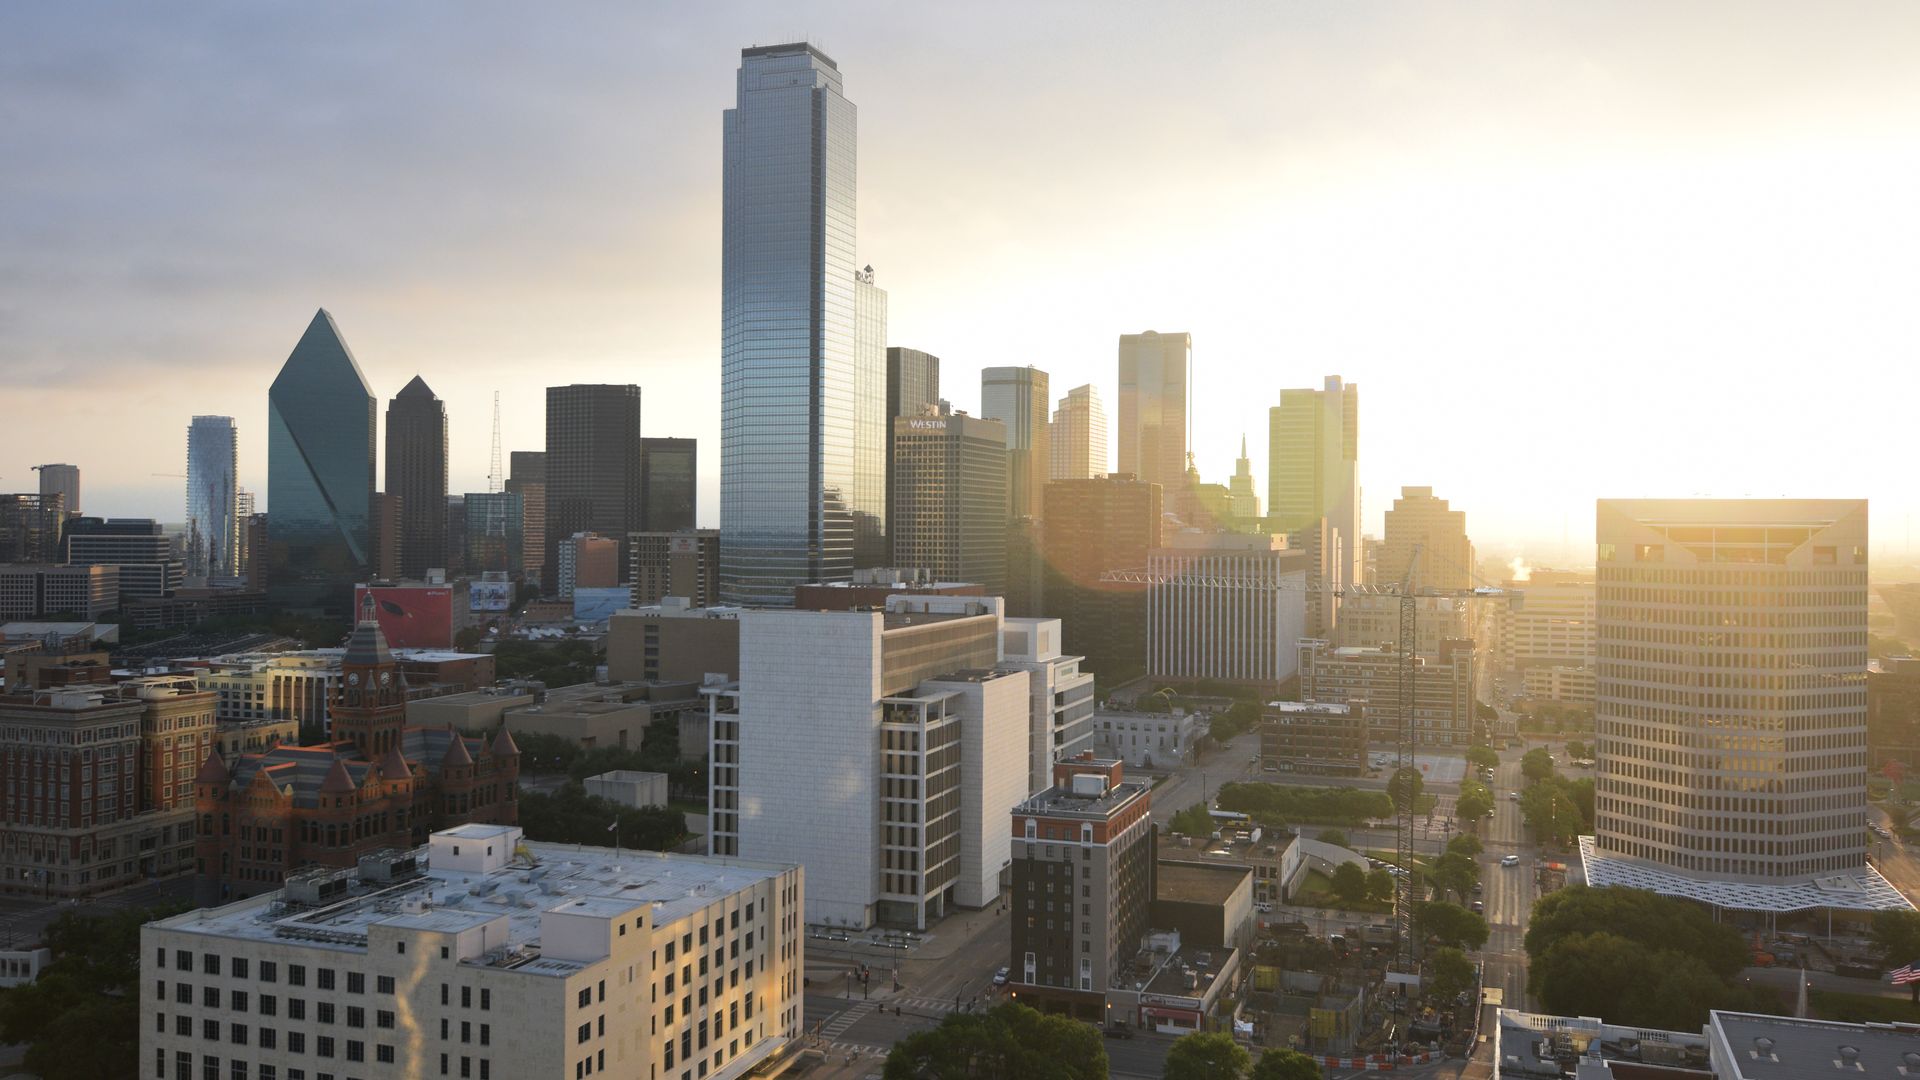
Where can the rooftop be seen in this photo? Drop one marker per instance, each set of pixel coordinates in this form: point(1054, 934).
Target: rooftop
point(1538, 1045)
point(1862, 890)
point(1195, 883)
point(1061, 802)
point(1761, 1047)
point(560, 878)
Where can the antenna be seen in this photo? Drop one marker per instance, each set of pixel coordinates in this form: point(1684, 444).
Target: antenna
point(494, 479)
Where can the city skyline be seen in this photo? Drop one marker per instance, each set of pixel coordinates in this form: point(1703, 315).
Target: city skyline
point(1621, 168)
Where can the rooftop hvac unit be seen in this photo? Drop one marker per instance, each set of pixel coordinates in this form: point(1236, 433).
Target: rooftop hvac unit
point(388, 865)
point(313, 889)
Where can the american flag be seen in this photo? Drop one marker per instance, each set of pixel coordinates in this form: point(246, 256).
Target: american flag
point(1901, 976)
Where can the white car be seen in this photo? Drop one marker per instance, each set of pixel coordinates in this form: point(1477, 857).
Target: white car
point(1510, 860)
point(1000, 977)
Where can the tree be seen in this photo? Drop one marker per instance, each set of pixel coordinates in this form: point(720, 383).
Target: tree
point(81, 1018)
point(1332, 836)
point(1657, 923)
point(1472, 806)
point(1537, 764)
point(1379, 884)
point(1896, 937)
point(1578, 750)
point(571, 816)
point(1455, 873)
point(1350, 882)
point(1236, 720)
point(1551, 811)
point(1465, 844)
point(1484, 711)
point(1279, 1064)
point(1206, 1055)
point(1451, 924)
point(1483, 756)
point(1008, 1042)
point(1405, 786)
point(1193, 821)
point(1448, 972)
point(1607, 975)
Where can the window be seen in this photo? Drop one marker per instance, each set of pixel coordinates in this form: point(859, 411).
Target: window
point(269, 1005)
point(296, 1008)
point(585, 997)
point(326, 978)
point(356, 1016)
point(267, 1072)
point(237, 1034)
point(237, 1069)
point(584, 1033)
point(267, 1037)
point(210, 996)
point(269, 972)
point(486, 998)
point(239, 999)
point(382, 1052)
point(239, 967)
point(356, 983)
point(209, 1068)
point(183, 960)
point(210, 1030)
point(210, 963)
point(326, 1012)
point(383, 983)
point(323, 1045)
point(296, 975)
point(296, 1042)
point(356, 1050)
point(486, 1034)
point(466, 1031)
point(383, 1019)
point(183, 1026)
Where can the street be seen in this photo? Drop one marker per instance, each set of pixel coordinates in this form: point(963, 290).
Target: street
point(1510, 890)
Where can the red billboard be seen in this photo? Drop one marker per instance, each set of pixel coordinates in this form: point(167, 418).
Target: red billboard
point(411, 618)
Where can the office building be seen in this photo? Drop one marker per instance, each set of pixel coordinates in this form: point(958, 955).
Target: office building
point(454, 562)
point(1442, 690)
point(916, 746)
point(668, 484)
point(243, 528)
point(1017, 397)
point(61, 480)
point(30, 527)
point(871, 587)
point(674, 642)
point(259, 552)
point(1155, 377)
point(138, 546)
point(320, 452)
point(1731, 705)
point(1226, 607)
point(871, 426)
point(1243, 505)
point(1313, 458)
point(213, 523)
point(1061, 720)
point(379, 783)
point(1077, 438)
point(913, 386)
point(1548, 618)
point(1893, 713)
point(74, 824)
point(1428, 540)
point(495, 531)
point(593, 467)
point(300, 687)
point(684, 564)
point(1089, 833)
point(484, 955)
point(793, 392)
point(586, 561)
point(1560, 684)
point(385, 538)
point(950, 475)
point(1317, 738)
point(1093, 527)
point(417, 473)
point(29, 591)
point(1373, 620)
point(527, 478)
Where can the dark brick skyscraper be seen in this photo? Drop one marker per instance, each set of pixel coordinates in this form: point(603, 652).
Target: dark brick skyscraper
point(594, 466)
point(417, 473)
point(1093, 526)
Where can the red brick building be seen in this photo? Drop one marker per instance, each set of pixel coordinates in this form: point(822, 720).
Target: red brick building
point(378, 784)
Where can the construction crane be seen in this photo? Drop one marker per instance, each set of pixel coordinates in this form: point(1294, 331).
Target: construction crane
point(1407, 650)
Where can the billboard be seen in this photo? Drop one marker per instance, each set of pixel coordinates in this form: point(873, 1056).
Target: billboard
point(596, 605)
point(489, 595)
point(411, 617)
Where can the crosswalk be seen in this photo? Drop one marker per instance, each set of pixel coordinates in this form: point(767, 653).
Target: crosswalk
point(838, 1024)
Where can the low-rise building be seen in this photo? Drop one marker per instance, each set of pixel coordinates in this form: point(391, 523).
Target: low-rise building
point(684, 564)
point(29, 591)
point(1145, 740)
point(298, 686)
point(1443, 691)
point(1210, 904)
point(629, 787)
point(1062, 695)
point(593, 715)
point(1314, 737)
point(1562, 684)
point(1729, 1046)
point(675, 642)
point(486, 956)
point(1893, 712)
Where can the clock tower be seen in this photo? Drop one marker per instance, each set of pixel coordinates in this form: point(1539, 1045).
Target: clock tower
point(370, 705)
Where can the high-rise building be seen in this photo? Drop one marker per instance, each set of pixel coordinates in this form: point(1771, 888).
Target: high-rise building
point(1226, 607)
point(213, 523)
point(417, 473)
point(455, 560)
point(259, 552)
point(1243, 506)
point(1548, 620)
point(538, 960)
point(684, 564)
point(495, 530)
point(61, 480)
point(1893, 713)
point(1062, 694)
point(791, 389)
point(1017, 397)
point(1077, 438)
point(586, 561)
point(527, 478)
point(1155, 374)
point(30, 527)
point(895, 803)
point(950, 498)
point(913, 386)
point(1313, 459)
point(1093, 527)
point(872, 427)
point(138, 546)
point(1442, 691)
point(320, 452)
point(593, 465)
point(1731, 711)
point(669, 479)
point(385, 523)
point(1421, 523)
point(1373, 619)
point(243, 546)
point(1089, 833)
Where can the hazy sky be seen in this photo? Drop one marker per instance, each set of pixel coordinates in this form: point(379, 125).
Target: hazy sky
point(1566, 250)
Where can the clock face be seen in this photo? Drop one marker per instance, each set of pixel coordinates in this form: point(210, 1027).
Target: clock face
point(386, 678)
point(353, 679)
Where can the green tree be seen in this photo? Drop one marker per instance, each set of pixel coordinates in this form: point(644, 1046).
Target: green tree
point(1206, 1055)
point(1455, 873)
point(1484, 711)
point(1193, 821)
point(1405, 786)
point(1896, 937)
point(1379, 884)
point(81, 1018)
point(1280, 1064)
point(571, 816)
point(1472, 806)
point(1483, 756)
point(1465, 844)
point(1008, 1042)
point(1537, 763)
point(1551, 811)
point(1331, 836)
point(1448, 972)
point(1655, 922)
point(1236, 720)
point(1578, 750)
point(1451, 924)
point(1603, 971)
point(1349, 882)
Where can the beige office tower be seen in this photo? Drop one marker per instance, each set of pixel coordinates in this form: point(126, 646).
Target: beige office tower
point(1017, 397)
point(1421, 523)
point(1153, 410)
point(1731, 703)
point(1077, 438)
point(1313, 471)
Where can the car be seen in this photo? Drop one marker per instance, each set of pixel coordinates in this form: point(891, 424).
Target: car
point(1119, 1031)
point(1263, 907)
point(1479, 907)
point(1000, 977)
point(1513, 796)
point(1478, 889)
point(1505, 860)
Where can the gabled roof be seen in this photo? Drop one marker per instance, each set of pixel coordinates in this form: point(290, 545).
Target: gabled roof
point(394, 765)
point(339, 781)
point(503, 744)
point(213, 770)
point(457, 754)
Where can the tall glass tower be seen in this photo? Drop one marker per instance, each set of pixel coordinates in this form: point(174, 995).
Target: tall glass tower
point(320, 439)
point(213, 533)
point(794, 397)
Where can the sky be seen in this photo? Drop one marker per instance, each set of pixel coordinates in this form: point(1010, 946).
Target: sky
point(1566, 251)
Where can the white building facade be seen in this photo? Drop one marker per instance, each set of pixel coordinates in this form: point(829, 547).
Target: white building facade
point(1225, 606)
point(1062, 696)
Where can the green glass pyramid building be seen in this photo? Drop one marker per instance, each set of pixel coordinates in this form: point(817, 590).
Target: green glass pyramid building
point(320, 455)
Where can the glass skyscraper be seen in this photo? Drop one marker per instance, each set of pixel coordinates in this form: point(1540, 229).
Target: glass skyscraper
point(320, 445)
point(794, 397)
point(213, 533)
